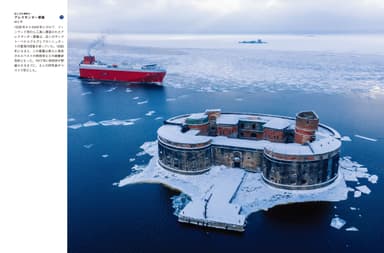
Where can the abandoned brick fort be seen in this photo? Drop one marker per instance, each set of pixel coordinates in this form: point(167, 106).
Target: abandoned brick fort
point(291, 153)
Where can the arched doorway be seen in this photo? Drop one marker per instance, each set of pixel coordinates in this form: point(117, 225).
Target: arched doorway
point(236, 160)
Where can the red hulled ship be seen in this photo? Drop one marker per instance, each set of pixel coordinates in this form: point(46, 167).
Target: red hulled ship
point(92, 69)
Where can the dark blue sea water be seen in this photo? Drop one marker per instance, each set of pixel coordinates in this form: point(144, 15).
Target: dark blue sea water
point(139, 218)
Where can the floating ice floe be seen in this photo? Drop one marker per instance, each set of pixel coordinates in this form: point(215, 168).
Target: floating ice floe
point(353, 208)
point(373, 179)
point(350, 189)
point(170, 99)
point(346, 138)
point(350, 176)
point(91, 114)
point(337, 222)
point(159, 118)
point(352, 229)
point(112, 122)
point(94, 82)
point(86, 93)
point(357, 194)
point(111, 89)
point(132, 159)
point(90, 124)
point(142, 102)
point(105, 156)
point(364, 189)
point(88, 146)
point(71, 119)
point(150, 113)
point(75, 126)
point(117, 122)
point(352, 170)
point(128, 90)
point(135, 98)
point(365, 138)
point(362, 169)
point(133, 120)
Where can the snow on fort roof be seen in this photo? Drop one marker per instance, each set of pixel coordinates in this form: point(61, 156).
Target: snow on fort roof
point(173, 133)
point(212, 110)
point(197, 116)
point(326, 137)
point(253, 119)
point(320, 147)
point(227, 119)
point(278, 123)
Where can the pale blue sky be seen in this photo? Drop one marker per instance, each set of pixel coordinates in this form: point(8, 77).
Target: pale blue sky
point(227, 16)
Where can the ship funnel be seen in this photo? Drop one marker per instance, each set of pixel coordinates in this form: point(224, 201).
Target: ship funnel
point(89, 59)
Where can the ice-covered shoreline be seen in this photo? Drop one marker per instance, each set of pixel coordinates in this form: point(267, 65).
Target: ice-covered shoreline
point(224, 197)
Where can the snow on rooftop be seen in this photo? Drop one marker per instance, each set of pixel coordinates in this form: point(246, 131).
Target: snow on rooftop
point(229, 195)
point(241, 143)
point(173, 133)
point(326, 137)
point(253, 119)
point(325, 145)
point(278, 123)
point(321, 146)
point(212, 110)
point(227, 119)
point(197, 116)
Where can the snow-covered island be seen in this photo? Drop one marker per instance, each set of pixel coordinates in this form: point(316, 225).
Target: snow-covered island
point(229, 165)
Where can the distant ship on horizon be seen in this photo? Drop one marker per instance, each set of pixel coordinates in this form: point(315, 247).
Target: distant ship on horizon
point(89, 68)
point(259, 41)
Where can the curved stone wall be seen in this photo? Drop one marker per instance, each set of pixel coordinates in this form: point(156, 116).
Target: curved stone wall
point(300, 174)
point(186, 161)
